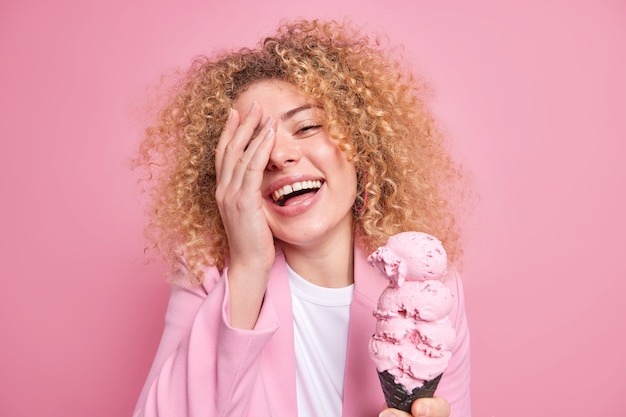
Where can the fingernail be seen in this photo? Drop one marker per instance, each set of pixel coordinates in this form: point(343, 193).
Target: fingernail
point(253, 107)
point(230, 114)
point(269, 134)
point(386, 414)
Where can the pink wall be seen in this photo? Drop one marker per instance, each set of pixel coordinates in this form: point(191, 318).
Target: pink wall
point(534, 96)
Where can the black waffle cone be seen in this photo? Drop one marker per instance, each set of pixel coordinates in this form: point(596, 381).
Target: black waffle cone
point(396, 395)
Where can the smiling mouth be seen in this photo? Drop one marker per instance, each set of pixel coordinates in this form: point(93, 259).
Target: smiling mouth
point(282, 195)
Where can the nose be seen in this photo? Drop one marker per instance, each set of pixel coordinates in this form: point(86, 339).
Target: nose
point(284, 153)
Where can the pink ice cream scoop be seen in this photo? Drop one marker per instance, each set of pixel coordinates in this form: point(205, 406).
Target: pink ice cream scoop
point(411, 256)
point(414, 336)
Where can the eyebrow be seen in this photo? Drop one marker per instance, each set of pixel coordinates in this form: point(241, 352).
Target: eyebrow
point(289, 114)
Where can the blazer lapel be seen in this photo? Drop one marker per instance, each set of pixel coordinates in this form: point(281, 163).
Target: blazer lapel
point(279, 362)
point(362, 395)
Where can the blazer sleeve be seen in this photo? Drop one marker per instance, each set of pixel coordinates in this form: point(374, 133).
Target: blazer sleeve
point(203, 366)
point(455, 381)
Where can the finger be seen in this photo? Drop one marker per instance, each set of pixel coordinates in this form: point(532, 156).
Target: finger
point(232, 122)
point(431, 407)
point(247, 128)
point(259, 160)
point(232, 143)
point(254, 143)
point(392, 412)
point(255, 157)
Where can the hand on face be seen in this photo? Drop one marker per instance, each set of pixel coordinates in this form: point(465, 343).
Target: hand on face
point(240, 161)
point(423, 407)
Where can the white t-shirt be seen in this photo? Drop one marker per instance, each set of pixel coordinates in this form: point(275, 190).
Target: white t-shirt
point(321, 317)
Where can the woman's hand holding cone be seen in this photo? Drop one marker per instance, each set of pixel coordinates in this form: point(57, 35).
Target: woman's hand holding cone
point(422, 407)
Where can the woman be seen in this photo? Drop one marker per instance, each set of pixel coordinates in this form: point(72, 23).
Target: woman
point(278, 170)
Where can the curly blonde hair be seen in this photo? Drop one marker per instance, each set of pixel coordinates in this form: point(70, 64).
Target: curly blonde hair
point(376, 110)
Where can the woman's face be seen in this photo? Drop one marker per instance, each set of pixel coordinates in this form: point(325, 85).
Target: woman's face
point(308, 186)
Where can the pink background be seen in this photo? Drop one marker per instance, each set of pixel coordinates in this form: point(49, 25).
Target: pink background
point(532, 94)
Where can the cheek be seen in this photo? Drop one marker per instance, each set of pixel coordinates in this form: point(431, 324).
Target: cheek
point(349, 182)
point(348, 172)
point(335, 162)
point(338, 157)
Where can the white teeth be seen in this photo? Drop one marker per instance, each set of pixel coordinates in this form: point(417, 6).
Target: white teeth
point(296, 186)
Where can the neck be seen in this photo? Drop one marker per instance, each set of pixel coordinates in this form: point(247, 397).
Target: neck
point(328, 265)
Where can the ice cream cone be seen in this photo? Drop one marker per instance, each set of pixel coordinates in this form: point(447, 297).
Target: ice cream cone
point(414, 335)
point(397, 396)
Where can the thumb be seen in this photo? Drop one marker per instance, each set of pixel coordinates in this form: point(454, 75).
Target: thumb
point(392, 412)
